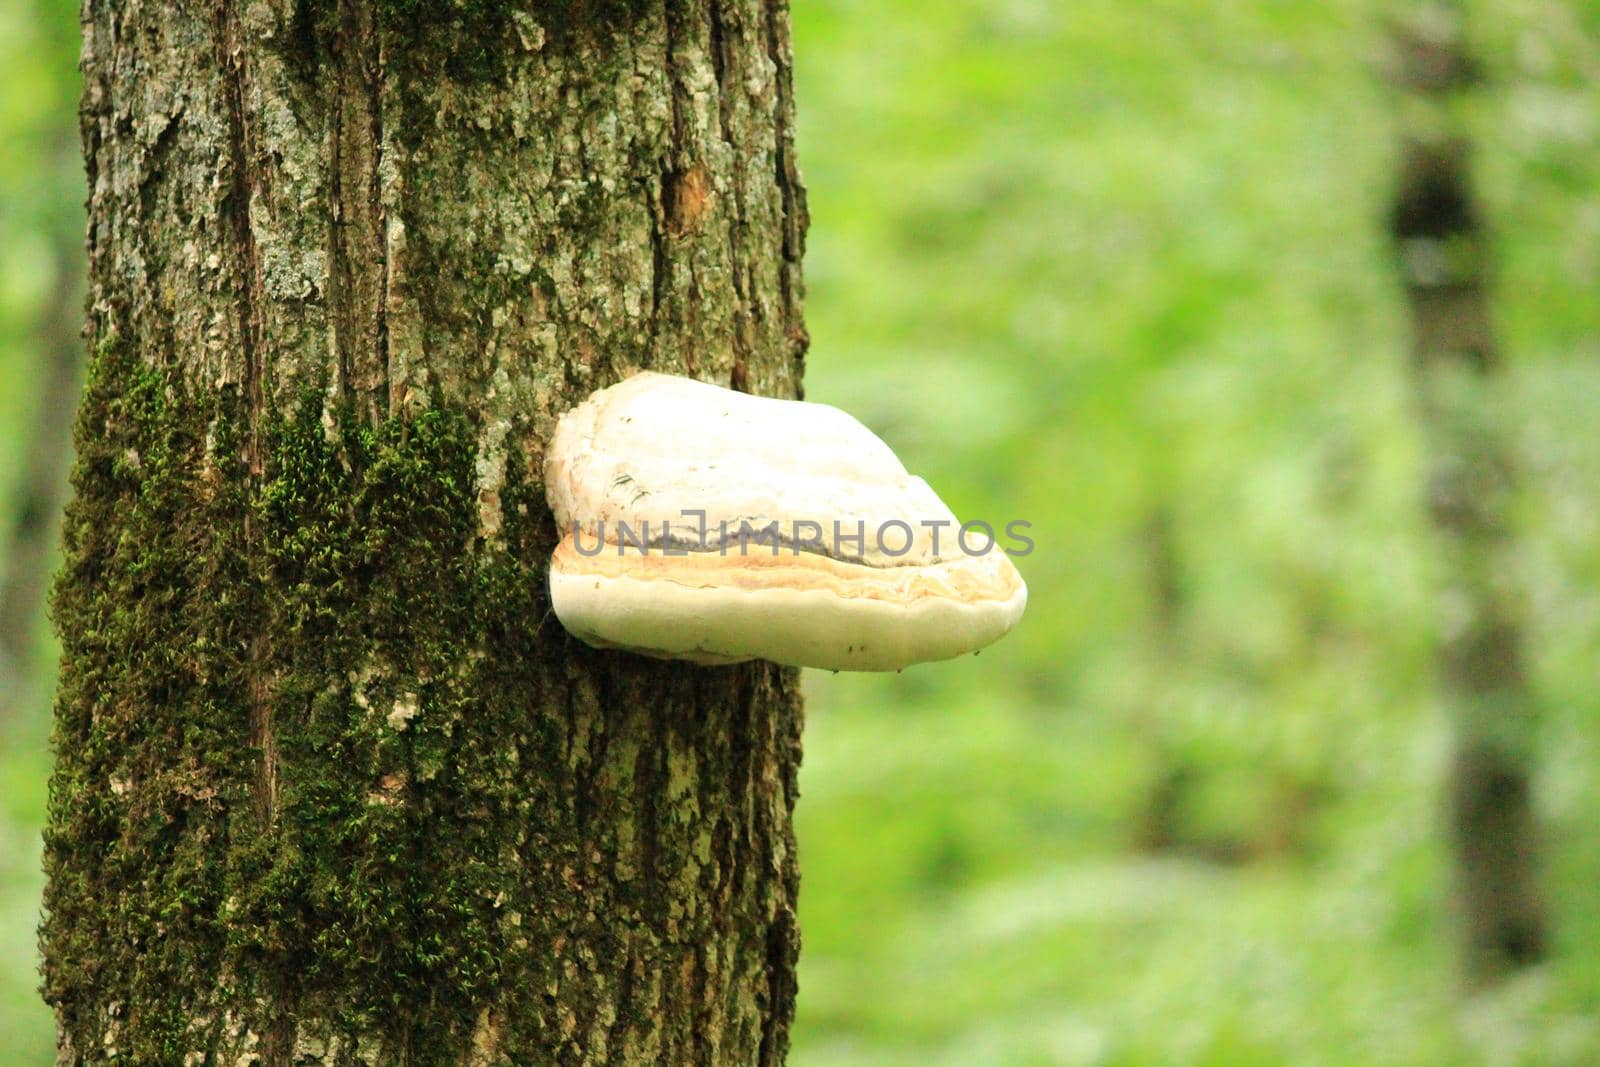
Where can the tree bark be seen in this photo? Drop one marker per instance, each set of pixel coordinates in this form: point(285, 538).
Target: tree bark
point(332, 785)
point(1443, 255)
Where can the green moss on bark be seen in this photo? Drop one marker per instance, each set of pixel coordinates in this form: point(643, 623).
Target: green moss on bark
point(152, 611)
point(388, 729)
point(357, 553)
point(468, 39)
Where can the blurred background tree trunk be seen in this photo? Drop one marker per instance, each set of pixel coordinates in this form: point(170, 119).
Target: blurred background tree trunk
point(332, 786)
point(1158, 825)
point(1443, 257)
point(35, 508)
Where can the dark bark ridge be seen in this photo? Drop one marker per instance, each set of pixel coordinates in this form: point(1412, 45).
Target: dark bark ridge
point(332, 786)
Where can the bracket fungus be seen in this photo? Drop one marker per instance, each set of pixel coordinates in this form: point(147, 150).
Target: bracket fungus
point(708, 525)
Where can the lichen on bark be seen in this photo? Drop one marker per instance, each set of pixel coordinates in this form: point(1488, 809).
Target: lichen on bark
point(332, 786)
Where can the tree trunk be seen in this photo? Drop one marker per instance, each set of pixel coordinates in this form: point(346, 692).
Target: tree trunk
point(332, 785)
point(1443, 253)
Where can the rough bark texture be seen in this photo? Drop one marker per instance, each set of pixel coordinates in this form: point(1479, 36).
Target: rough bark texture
point(332, 785)
point(1443, 254)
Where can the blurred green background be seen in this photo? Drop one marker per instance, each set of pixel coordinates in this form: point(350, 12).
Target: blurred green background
point(1118, 268)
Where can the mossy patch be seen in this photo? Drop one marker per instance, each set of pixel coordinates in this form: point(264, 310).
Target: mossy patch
point(467, 40)
point(152, 614)
point(342, 605)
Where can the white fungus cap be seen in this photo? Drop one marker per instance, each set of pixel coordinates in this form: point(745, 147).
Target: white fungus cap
point(630, 470)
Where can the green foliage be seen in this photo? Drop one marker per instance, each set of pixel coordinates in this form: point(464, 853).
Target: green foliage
point(1090, 264)
point(40, 186)
point(1083, 264)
